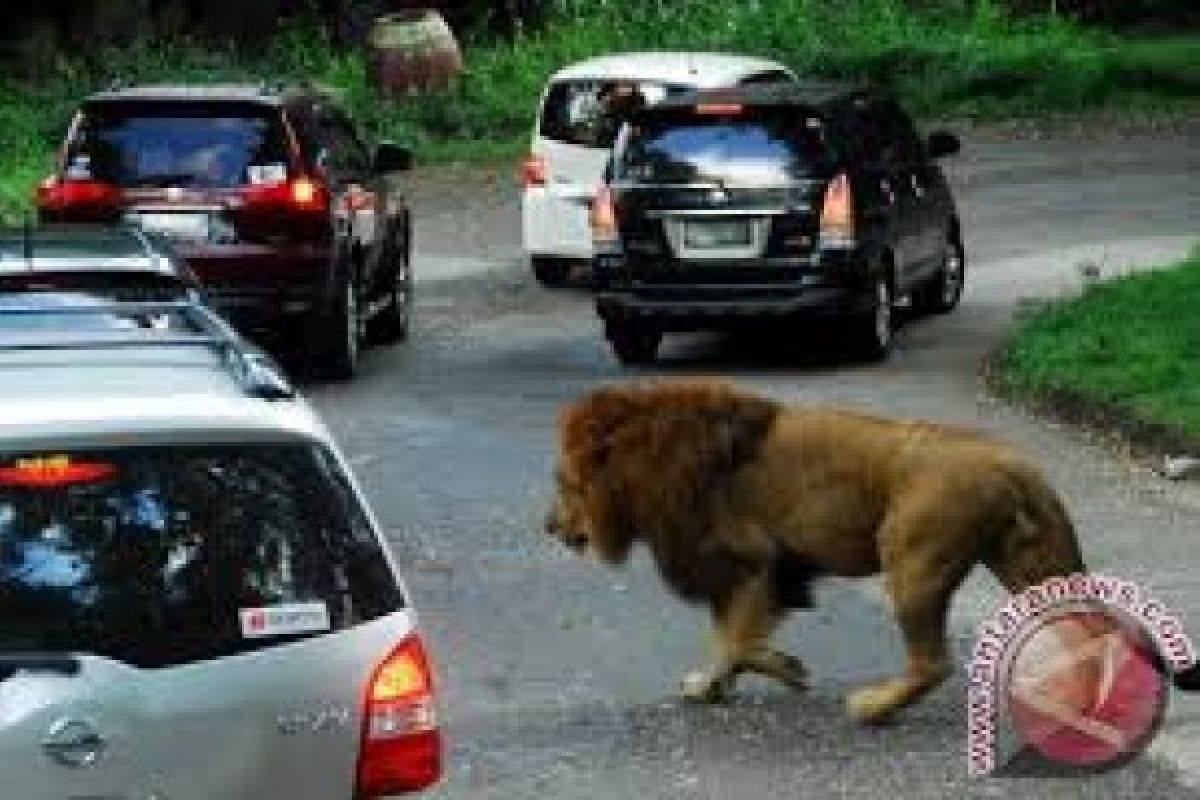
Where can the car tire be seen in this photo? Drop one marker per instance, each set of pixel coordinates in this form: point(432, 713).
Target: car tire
point(550, 271)
point(393, 322)
point(633, 343)
point(942, 293)
point(340, 333)
point(873, 332)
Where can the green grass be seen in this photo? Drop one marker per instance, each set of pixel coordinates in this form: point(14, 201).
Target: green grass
point(963, 60)
point(1130, 346)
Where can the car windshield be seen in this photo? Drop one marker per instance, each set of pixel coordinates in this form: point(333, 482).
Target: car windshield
point(157, 556)
point(58, 311)
point(757, 146)
point(590, 113)
point(158, 146)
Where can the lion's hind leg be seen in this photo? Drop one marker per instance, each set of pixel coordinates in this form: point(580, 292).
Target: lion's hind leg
point(921, 573)
point(744, 622)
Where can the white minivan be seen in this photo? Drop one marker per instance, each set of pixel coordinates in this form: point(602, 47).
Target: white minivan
point(577, 121)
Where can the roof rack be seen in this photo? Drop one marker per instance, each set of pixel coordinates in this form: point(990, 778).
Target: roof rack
point(255, 372)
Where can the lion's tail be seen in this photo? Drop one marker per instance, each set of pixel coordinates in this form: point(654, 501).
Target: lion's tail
point(1040, 542)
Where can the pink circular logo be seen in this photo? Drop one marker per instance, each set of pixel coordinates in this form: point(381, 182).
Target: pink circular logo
point(1086, 688)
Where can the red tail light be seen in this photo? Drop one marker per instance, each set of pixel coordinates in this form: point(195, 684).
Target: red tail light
point(49, 472)
point(298, 194)
point(533, 172)
point(605, 230)
point(401, 747)
point(837, 214)
point(82, 198)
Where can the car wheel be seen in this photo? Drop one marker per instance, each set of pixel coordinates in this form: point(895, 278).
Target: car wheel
point(341, 335)
point(943, 291)
point(874, 331)
point(633, 343)
point(394, 320)
point(550, 271)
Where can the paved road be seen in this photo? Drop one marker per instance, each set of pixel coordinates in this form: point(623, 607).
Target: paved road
point(558, 674)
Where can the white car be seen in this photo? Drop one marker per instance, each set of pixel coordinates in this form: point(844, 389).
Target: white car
point(576, 125)
point(195, 601)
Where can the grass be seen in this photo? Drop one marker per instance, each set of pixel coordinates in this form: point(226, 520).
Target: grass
point(1130, 346)
point(961, 59)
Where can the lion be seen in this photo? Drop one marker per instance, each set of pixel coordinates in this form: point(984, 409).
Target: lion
point(743, 501)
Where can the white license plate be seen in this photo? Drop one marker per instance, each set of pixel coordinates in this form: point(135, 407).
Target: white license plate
point(712, 234)
point(190, 226)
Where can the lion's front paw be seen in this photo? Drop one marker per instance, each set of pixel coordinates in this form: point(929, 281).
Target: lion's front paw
point(703, 686)
point(873, 704)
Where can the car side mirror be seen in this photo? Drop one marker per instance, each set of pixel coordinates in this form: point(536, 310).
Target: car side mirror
point(391, 157)
point(942, 144)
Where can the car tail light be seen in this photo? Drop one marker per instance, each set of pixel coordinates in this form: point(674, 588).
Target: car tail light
point(299, 194)
point(48, 472)
point(603, 217)
point(533, 172)
point(82, 198)
point(401, 748)
point(837, 214)
point(720, 109)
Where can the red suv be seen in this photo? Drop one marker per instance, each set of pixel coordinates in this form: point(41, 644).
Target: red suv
point(268, 193)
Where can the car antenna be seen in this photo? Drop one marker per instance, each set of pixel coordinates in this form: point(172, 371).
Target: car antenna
point(28, 241)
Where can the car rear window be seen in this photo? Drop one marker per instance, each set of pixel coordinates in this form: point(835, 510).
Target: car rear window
point(775, 145)
point(162, 145)
point(590, 113)
point(160, 556)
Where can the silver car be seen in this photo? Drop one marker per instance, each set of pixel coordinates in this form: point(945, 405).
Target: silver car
point(195, 601)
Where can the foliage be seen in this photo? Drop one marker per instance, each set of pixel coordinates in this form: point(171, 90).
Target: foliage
point(1132, 344)
point(963, 59)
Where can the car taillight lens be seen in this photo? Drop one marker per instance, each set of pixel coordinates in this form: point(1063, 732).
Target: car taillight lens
point(299, 194)
point(87, 197)
point(837, 214)
point(605, 230)
point(401, 748)
point(533, 172)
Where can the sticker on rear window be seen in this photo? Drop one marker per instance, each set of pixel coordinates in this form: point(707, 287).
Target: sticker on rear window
point(288, 619)
point(266, 173)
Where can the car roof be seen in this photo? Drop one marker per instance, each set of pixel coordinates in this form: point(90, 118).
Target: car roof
point(85, 248)
point(806, 94)
point(60, 387)
point(685, 68)
point(262, 94)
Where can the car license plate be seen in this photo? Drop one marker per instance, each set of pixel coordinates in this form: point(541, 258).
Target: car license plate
point(712, 234)
point(187, 226)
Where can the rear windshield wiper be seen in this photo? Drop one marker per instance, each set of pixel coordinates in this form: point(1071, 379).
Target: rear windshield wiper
point(12, 663)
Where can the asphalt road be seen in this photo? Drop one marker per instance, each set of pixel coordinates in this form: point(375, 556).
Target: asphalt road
point(557, 675)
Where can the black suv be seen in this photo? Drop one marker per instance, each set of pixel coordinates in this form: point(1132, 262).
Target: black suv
point(773, 202)
point(269, 194)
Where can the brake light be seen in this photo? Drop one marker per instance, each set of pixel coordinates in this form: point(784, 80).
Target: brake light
point(55, 194)
point(533, 172)
point(401, 749)
point(298, 194)
point(603, 217)
point(837, 214)
point(47, 472)
point(719, 109)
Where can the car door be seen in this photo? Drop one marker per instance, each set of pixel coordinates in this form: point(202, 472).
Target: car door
point(925, 235)
point(890, 201)
point(359, 196)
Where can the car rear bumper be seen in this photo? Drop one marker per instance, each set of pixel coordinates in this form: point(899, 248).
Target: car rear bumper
point(257, 285)
point(699, 307)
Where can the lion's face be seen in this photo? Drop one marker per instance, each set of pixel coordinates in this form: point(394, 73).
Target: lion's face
point(568, 520)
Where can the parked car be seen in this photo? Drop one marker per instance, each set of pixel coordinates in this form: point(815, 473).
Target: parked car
point(770, 203)
point(577, 121)
point(195, 600)
point(270, 195)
